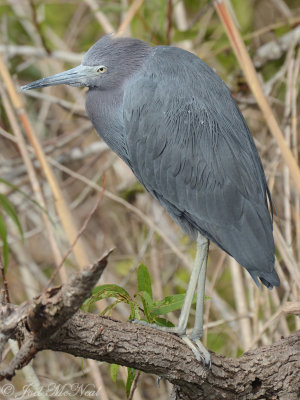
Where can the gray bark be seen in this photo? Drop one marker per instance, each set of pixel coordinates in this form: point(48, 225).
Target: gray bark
point(52, 322)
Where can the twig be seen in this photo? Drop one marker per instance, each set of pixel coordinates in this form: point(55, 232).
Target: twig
point(266, 325)
point(241, 303)
point(80, 232)
point(295, 141)
point(285, 252)
point(274, 49)
point(291, 308)
point(290, 22)
point(74, 109)
point(282, 7)
point(60, 202)
point(37, 26)
point(169, 22)
point(287, 133)
point(32, 176)
point(254, 84)
point(5, 283)
point(101, 18)
point(134, 384)
point(128, 17)
point(208, 303)
point(14, 50)
point(182, 22)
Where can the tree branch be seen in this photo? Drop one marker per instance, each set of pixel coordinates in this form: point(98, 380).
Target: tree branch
point(53, 322)
point(266, 372)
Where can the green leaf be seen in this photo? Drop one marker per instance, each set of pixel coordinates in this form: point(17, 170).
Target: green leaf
point(9, 209)
point(114, 369)
point(105, 291)
point(115, 291)
point(144, 280)
point(147, 306)
point(5, 251)
point(110, 290)
point(164, 322)
point(82, 365)
point(168, 304)
point(130, 378)
point(86, 305)
point(147, 297)
point(109, 308)
point(134, 311)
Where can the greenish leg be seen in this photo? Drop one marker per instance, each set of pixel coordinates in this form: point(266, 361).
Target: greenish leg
point(197, 279)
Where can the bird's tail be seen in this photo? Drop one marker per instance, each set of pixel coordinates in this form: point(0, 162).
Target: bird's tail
point(268, 279)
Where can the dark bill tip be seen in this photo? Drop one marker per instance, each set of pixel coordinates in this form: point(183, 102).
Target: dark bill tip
point(34, 85)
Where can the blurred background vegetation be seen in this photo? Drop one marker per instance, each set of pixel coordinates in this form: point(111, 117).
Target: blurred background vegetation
point(107, 206)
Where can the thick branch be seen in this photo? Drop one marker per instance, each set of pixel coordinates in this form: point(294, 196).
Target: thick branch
point(53, 322)
point(267, 372)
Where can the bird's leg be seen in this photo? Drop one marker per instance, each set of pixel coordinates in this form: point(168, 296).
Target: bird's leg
point(197, 279)
point(199, 265)
point(197, 333)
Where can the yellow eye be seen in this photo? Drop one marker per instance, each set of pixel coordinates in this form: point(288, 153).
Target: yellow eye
point(102, 69)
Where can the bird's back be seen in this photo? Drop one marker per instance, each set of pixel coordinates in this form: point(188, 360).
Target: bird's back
point(190, 146)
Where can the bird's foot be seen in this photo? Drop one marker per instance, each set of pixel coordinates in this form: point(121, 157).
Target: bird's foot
point(199, 350)
point(194, 343)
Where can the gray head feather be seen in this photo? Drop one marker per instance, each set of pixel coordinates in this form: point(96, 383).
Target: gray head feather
point(121, 56)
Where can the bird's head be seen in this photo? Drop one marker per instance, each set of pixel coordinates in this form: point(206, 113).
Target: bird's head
point(106, 65)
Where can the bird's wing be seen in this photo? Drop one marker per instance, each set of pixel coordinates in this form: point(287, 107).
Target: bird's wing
point(190, 147)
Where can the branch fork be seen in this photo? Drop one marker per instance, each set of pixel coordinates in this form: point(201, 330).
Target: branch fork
point(34, 323)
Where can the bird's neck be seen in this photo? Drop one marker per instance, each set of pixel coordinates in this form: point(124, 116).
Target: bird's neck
point(104, 109)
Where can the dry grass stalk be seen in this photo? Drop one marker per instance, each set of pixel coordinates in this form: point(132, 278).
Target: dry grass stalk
point(60, 202)
point(100, 16)
point(291, 308)
point(33, 179)
point(241, 303)
point(133, 9)
point(253, 82)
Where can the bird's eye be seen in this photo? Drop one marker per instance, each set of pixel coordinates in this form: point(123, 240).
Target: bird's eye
point(102, 69)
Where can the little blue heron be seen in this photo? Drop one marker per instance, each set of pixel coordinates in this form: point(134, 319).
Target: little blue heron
point(173, 121)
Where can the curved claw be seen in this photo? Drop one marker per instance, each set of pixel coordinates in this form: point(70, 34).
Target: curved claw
point(200, 352)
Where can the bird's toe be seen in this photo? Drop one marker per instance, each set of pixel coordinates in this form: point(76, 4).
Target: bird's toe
point(200, 352)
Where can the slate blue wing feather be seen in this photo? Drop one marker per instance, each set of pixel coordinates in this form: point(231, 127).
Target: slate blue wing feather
point(190, 147)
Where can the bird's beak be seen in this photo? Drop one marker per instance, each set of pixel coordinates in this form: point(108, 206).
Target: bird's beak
point(77, 76)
